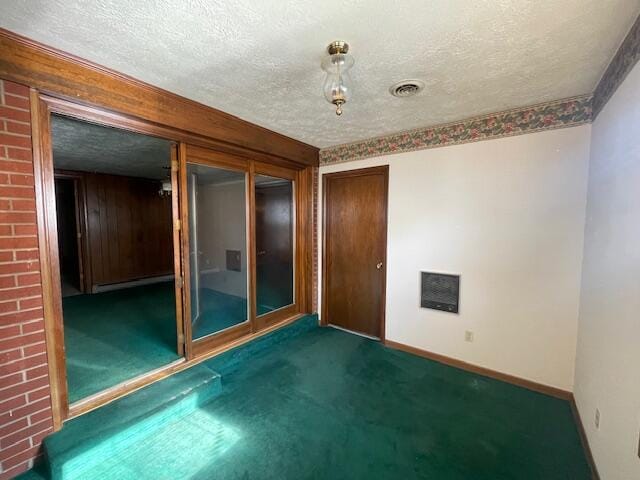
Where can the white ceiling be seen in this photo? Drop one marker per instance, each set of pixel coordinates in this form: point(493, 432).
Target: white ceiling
point(260, 60)
point(86, 147)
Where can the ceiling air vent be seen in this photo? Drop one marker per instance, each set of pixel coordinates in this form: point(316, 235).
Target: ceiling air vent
point(406, 88)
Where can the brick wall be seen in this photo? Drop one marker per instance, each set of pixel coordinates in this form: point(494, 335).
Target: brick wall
point(25, 404)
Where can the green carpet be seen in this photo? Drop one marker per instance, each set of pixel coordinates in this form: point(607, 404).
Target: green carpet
point(330, 405)
point(218, 311)
point(114, 336)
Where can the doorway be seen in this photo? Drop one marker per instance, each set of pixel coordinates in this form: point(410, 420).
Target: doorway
point(354, 250)
point(113, 204)
point(69, 236)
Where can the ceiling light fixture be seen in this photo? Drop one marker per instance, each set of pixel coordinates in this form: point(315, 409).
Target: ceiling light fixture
point(337, 85)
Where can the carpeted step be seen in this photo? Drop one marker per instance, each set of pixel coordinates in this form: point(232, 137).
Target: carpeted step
point(231, 360)
point(91, 438)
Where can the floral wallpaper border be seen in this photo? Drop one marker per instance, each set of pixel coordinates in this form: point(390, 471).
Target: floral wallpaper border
point(624, 60)
point(546, 116)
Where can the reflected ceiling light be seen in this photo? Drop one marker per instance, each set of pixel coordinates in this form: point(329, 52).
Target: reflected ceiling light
point(337, 85)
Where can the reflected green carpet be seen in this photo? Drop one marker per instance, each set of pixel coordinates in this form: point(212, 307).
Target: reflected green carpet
point(113, 336)
point(218, 311)
point(331, 405)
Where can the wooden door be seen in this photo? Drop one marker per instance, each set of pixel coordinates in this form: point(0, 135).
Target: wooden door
point(355, 245)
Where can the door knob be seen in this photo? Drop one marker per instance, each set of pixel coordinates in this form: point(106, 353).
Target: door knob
point(379, 266)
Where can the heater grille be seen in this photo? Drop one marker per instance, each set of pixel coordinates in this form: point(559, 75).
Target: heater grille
point(440, 291)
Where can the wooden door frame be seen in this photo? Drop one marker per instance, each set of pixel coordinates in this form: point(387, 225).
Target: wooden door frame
point(379, 170)
point(42, 107)
point(210, 158)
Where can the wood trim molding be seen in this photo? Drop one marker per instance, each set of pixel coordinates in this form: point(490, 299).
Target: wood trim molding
point(49, 263)
point(469, 367)
point(66, 76)
point(583, 438)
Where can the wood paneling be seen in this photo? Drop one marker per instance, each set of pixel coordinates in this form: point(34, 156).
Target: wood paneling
point(129, 228)
point(355, 248)
point(61, 74)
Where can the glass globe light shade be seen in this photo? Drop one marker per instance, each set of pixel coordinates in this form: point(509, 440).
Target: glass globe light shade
point(337, 84)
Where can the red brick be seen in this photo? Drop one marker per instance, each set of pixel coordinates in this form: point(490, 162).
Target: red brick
point(6, 307)
point(6, 230)
point(17, 217)
point(21, 316)
point(11, 331)
point(10, 356)
point(14, 114)
point(5, 205)
point(12, 403)
point(31, 408)
point(16, 101)
point(40, 371)
point(25, 433)
point(35, 349)
point(21, 341)
point(32, 327)
point(16, 192)
point(38, 394)
point(14, 449)
point(13, 472)
point(38, 437)
point(23, 364)
point(6, 256)
point(18, 267)
point(15, 140)
point(39, 416)
point(27, 255)
point(20, 292)
point(18, 242)
point(11, 380)
point(26, 387)
point(18, 179)
point(16, 89)
point(22, 154)
point(28, 279)
point(20, 458)
point(4, 179)
point(25, 230)
point(16, 167)
point(10, 428)
point(30, 303)
point(18, 127)
point(7, 282)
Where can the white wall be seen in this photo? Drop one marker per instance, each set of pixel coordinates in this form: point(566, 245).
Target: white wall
point(222, 227)
point(508, 215)
point(608, 356)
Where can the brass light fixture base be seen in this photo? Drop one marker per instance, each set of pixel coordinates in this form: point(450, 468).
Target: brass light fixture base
point(338, 47)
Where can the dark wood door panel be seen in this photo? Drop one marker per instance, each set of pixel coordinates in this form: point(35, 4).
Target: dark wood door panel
point(355, 214)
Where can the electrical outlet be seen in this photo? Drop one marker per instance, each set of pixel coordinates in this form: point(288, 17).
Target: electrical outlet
point(468, 336)
point(597, 419)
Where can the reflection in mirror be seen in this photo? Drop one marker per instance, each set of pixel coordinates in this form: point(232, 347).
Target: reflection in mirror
point(274, 243)
point(217, 248)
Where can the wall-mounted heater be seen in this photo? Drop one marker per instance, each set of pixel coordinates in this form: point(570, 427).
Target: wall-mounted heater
point(440, 291)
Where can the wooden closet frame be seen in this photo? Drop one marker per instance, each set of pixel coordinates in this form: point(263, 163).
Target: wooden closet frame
point(186, 146)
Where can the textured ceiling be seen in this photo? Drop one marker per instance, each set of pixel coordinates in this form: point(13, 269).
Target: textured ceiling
point(260, 60)
point(92, 148)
